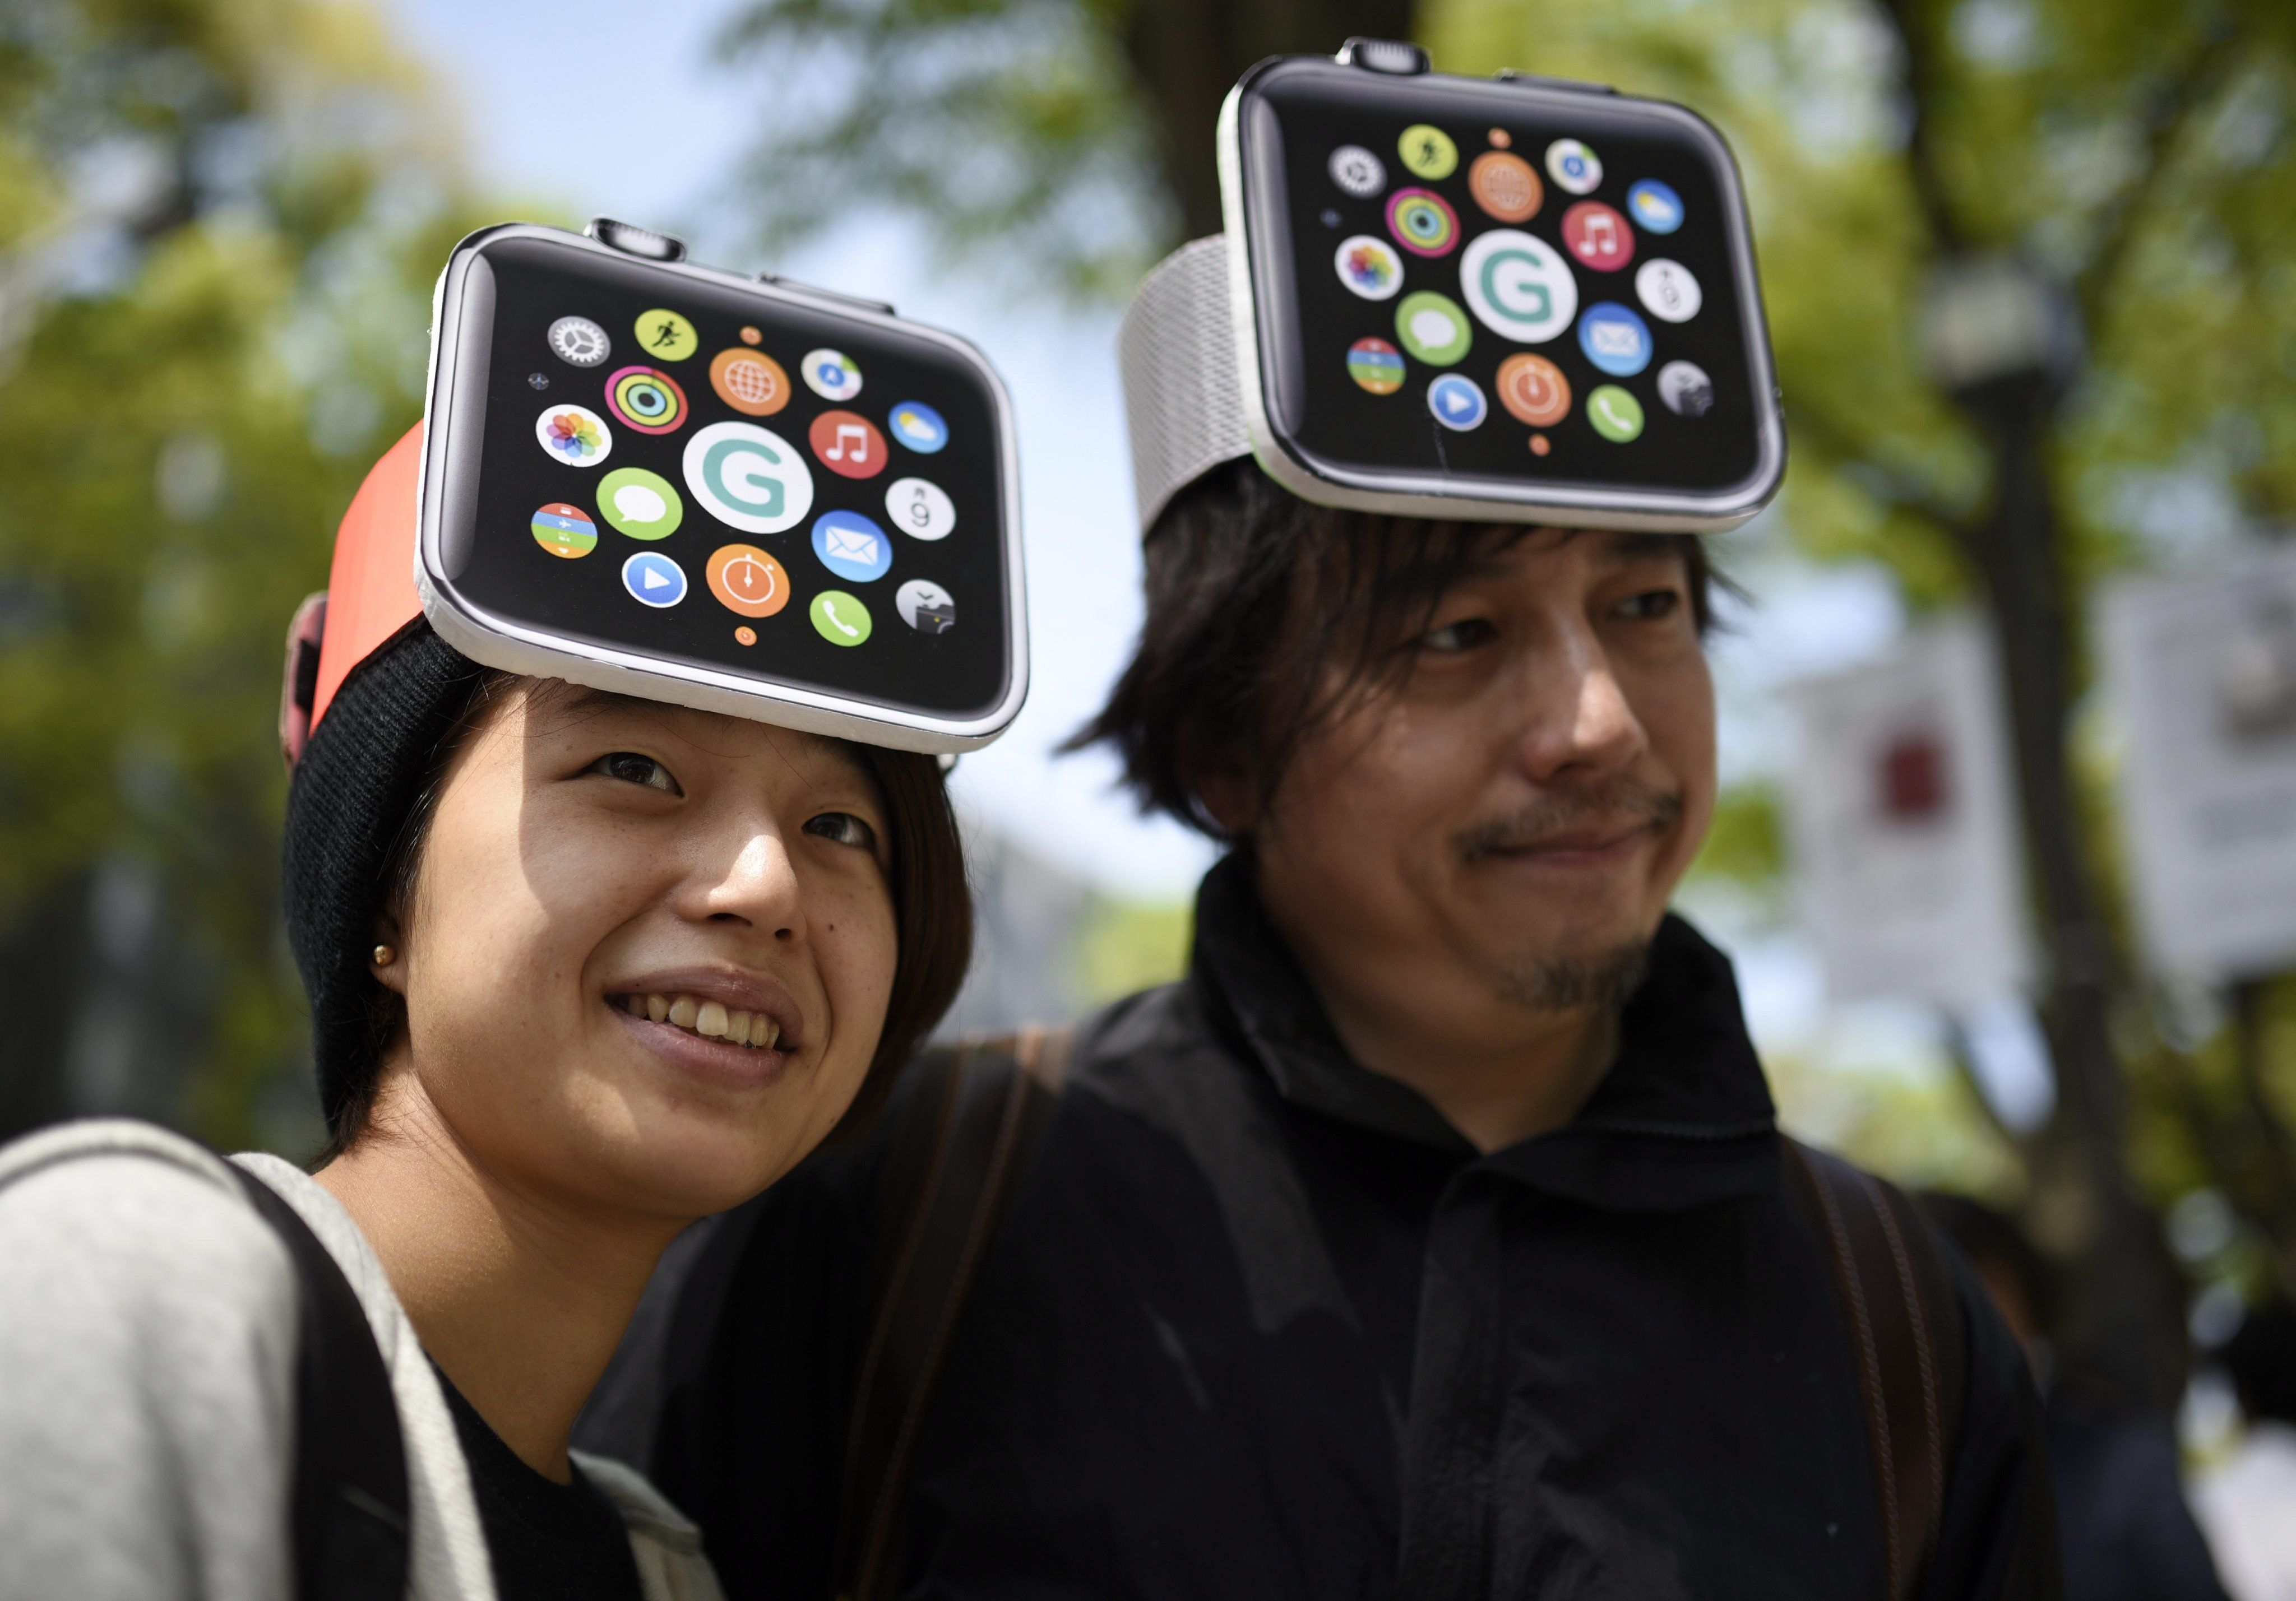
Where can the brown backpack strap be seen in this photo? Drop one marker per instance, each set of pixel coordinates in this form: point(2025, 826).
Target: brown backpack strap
point(951, 1185)
point(1904, 1323)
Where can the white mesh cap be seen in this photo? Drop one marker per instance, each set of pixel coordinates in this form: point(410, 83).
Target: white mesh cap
point(1183, 398)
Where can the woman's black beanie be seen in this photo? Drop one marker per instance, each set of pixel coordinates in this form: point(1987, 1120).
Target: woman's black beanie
point(352, 792)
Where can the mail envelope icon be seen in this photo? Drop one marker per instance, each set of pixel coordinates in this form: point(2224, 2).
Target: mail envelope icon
point(1616, 338)
point(851, 545)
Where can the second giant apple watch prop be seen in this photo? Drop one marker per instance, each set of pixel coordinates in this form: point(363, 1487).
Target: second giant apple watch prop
point(1514, 299)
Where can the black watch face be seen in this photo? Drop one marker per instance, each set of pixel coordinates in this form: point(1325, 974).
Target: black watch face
point(693, 472)
point(1498, 283)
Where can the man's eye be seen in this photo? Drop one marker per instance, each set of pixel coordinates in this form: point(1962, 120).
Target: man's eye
point(1651, 605)
point(632, 768)
point(1453, 638)
point(844, 829)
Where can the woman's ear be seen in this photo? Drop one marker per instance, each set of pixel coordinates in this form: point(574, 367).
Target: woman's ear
point(387, 960)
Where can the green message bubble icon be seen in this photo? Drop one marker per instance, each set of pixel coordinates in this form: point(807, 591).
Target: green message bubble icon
point(1433, 328)
point(643, 505)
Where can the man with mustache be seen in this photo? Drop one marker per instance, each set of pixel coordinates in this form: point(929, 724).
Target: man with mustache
point(1432, 1237)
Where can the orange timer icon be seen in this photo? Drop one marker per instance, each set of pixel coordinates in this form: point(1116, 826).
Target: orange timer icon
point(748, 581)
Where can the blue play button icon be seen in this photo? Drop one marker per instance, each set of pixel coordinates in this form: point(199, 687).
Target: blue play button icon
point(653, 579)
point(1457, 402)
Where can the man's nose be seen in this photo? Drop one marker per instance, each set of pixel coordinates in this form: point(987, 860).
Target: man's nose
point(1578, 723)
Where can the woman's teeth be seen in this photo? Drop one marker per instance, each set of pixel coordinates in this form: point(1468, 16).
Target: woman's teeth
point(708, 1018)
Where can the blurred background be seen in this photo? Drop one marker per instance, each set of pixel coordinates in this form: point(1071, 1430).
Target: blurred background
point(2008, 856)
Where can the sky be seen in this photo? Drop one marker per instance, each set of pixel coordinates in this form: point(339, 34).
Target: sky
point(699, 120)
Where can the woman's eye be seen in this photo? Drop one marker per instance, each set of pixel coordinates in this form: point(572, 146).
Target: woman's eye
point(844, 829)
point(632, 768)
point(1453, 638)
point(1651, 605)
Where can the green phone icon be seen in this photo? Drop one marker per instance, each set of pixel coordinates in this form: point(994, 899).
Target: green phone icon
point(839, 618)
point(1616, 414)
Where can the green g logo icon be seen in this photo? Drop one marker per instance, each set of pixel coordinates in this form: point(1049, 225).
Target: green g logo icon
point(747, 478)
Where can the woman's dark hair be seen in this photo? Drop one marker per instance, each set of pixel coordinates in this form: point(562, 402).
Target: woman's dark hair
point(932, 906)
point(1253, 595)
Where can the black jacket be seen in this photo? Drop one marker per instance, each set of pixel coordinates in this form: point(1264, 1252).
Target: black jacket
point(1259, 1324)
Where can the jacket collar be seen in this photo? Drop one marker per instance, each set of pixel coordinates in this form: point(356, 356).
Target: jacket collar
point(1684, 1114)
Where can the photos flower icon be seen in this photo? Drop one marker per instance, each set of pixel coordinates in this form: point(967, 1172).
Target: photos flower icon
point(574, 435)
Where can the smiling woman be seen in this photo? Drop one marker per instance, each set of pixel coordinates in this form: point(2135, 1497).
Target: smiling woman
point(584, 969)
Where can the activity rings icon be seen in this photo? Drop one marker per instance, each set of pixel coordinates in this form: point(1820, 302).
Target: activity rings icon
point(646, 399)
point(1423, 222)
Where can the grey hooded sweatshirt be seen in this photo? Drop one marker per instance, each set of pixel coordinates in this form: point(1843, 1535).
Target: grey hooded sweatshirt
point(148, 1319)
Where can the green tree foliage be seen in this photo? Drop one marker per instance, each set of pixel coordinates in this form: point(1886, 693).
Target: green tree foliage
point(218, 223)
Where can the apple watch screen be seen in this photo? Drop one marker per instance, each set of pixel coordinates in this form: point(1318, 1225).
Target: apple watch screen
point(684, 469)
point(1495, 281)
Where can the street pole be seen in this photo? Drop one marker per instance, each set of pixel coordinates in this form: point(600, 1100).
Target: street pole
point(2001, 341)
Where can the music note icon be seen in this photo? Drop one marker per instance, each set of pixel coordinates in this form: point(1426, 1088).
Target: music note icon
point(1598, 236)
point(848, 444)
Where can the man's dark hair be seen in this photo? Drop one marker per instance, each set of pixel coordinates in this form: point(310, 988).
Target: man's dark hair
point(2261, 1360)
point(1253, 596)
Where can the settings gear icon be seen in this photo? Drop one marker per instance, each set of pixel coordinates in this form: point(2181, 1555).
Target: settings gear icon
point(579, 341)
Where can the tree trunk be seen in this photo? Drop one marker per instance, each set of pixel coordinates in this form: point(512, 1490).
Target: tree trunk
point(1186, 54)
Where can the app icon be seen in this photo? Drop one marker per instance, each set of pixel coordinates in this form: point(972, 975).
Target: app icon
point(852, 546)
point(751, 336)
point(745, 635)
point(919, 427)
point(1668, 290)
point(1423, 222)
point(749, 380)
point(1518, 286)
point(646, 399)
point(1457, 402)
point(1656, 206)
point(579, 342)
point(1686, 389)
point(1534, 390)
point(1504, 186)
point(1574, 167)
point(565, 530)
point(848, 443)
point(666, 336)
point(748, 581)
point(574, 435)
point(926, 606)
point(1357, 171)
point(839, 618)
point(1616, 415)
point(1598, 236)
point(747, 478)
point(920, 508)
point(1433, 328)
point(642, 504)
point(1376, 365)
point(1369, 267)
point(537, 380)
point(654, 580)
point(1428, 152)
point(1615, 339)
point(831, 374)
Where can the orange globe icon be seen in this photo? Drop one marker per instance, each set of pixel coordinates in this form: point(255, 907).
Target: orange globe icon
point(748, 581)
point(751, 381)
